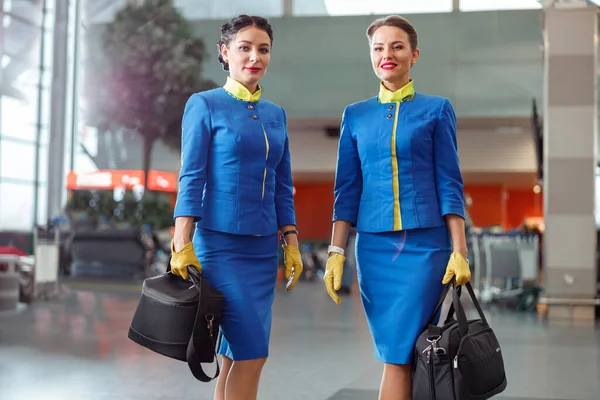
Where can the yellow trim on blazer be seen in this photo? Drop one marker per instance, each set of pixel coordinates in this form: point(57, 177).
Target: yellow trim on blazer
point(405, 93)
point(395, 177)
point(241, 92)
point(266, 159)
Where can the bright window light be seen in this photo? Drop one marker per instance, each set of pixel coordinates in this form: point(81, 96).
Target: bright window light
point(370, 7)
point(16, 212)
point(488, 5)
point(7, 8)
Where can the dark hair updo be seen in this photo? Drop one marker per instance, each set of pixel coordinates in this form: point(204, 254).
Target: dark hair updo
point(398, 22)
point(231, 28)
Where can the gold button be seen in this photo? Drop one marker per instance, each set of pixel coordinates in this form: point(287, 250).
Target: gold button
point(250, 107)
point(254, 116)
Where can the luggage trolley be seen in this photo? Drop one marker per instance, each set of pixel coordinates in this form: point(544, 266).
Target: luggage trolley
point(504, 264)
point(46, 264)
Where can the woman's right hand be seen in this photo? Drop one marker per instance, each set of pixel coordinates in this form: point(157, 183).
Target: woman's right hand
point(333, 275)
point(180, 260)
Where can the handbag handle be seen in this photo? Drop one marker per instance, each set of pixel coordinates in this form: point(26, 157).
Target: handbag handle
point(476, 303)
point(192, 357)
point(457, 308)
point(459, 311)
point(441, 302)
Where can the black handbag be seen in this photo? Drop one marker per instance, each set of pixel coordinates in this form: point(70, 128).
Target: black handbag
point(179, 319)
point(460, 360)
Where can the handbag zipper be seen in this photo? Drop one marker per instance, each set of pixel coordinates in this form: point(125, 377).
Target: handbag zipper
point(158, 296)
point(431, 373)
point(431, 380)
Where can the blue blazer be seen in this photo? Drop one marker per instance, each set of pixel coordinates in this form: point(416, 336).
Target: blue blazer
point(236, 174)
point(397, 165)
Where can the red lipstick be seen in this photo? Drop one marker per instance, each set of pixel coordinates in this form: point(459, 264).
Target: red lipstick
point(388, 65)
point(253, 69)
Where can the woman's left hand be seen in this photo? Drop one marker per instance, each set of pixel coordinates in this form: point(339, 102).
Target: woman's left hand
point(293, 265)
point(457, 266)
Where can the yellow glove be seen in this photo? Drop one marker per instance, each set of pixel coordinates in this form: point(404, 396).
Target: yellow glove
point(184, 258)
point(293, 265)
point(333, 276)
point(457, 266)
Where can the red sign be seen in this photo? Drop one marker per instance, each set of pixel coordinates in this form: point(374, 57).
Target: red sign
point(110, 179)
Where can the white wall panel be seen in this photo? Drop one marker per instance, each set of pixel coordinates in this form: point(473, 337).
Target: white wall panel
point(479, 151)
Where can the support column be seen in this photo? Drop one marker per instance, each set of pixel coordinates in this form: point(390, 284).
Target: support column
point(56, 150)
point(288, 8)
point(1, 72)
point(456, 5)
point(570, 153)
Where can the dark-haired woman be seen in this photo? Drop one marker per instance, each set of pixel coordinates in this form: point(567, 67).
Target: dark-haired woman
point(236, 189)
point(398, 181)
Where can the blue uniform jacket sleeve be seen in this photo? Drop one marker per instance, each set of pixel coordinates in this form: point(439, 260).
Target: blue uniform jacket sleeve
point(195, 142)
point(284, 190)
point(448, 178)
point(348, 176)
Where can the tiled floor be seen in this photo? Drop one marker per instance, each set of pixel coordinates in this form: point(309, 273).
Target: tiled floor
point(356, 394)
point(77, 348)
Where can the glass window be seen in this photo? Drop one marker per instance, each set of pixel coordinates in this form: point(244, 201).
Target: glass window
point(217, 9)
point(17, 160)
point(26, 11)
point(369, 7)
point(101, 11)
point(22, 40)
point(18, 118)
point(23, 78)
point(487, 5)
point(16, 206)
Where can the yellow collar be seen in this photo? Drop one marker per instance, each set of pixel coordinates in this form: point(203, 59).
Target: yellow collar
point(240, 91)
point(406, 93)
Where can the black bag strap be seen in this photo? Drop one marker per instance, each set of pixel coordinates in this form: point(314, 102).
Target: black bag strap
point(476, 303)
point(451, 310)
point(456, 308)
point(192, 356)
point(439, 304)
point(461, 316)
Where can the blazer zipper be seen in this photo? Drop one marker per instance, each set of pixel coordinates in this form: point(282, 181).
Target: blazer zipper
point(266, 159)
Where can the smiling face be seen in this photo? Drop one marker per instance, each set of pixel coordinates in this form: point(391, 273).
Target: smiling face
point(392, 55)
point(248, 55)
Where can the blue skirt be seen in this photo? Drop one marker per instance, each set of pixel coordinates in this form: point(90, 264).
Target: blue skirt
point(244, 269)
point(400, 277)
